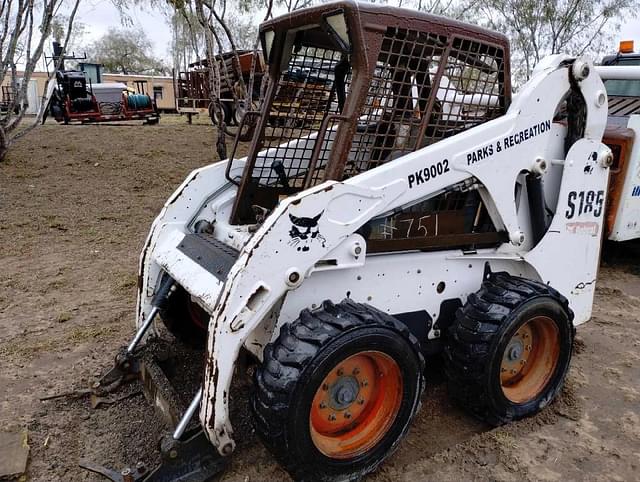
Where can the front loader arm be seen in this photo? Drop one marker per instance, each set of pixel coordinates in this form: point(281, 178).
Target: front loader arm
point(320, 224)
point(496, 152)
point(277, 259)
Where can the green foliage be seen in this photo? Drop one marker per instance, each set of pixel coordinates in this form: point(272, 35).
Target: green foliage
point(538, 28)
point(126, 51)
point(187, 39)
point(59, 32)
point(245, 30)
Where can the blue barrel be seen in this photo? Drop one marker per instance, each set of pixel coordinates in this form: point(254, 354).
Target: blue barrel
point(139, 101)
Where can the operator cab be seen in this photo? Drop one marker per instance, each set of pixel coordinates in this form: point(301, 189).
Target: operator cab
point(353, 86)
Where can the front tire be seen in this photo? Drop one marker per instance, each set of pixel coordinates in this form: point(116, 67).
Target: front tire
point(509, 349)
point(185, 319)
point(337, 391)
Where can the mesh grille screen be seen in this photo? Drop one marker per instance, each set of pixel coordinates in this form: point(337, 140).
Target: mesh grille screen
point(399, 100)
point(400, 113)
point(305, 94)
point(470, 91)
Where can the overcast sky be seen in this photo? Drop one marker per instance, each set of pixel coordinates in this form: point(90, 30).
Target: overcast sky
point(99, 15)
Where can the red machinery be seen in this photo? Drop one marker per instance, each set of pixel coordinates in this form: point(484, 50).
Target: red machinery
point(192, 86)
point(75, 99)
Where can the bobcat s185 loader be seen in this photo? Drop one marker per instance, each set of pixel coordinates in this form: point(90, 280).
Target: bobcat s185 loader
point(404, 205)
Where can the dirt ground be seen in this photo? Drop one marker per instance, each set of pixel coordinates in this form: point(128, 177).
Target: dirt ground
point(76, 203)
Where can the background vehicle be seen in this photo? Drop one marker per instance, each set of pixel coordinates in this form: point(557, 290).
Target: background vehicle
point(7, 100)
point(76, 99)
point(417, 210)
point(192, 87)
point(623, 137)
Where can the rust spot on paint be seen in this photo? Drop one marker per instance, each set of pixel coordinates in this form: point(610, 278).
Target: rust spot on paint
point(183, 189)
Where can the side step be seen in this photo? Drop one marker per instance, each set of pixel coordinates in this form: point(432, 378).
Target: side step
point(197, 262)
point(213, 255)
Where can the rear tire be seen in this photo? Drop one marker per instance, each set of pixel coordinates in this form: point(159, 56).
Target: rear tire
point(337, 391)
point(509, 349)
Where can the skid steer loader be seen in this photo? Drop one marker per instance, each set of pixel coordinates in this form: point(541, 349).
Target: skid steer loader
point(415, 209)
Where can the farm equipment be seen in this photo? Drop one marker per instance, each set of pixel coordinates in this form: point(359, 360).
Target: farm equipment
point(75, 99)
point(193, 86)
point(7, 101)
point(623, 137)
point(422, 211)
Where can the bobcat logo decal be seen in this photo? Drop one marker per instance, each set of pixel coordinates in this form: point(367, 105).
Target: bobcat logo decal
point(304, 231)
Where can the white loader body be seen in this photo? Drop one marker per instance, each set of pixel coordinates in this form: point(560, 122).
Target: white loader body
point(284, 266)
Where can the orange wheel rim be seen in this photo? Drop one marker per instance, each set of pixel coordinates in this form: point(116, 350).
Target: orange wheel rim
point(355, 404)
point(530, 359)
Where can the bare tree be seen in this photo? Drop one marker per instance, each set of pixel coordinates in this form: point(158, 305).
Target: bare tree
point(458, 9)
point(252, 74)
point(538, 28)
point(77, 37)
point(26, 27)
point(292, 5)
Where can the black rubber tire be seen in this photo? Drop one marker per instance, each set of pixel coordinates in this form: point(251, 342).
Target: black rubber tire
point(479, 335)
point(225, 109)
point(236, 115)
point(177, 317)
point(296, 363)
point(238, 110)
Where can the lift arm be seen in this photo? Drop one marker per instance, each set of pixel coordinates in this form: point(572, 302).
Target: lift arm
point(317, 227)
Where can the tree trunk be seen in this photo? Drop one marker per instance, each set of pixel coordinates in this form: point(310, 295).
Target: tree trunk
point(4, 144)
point(254, 60)
point(10, 122)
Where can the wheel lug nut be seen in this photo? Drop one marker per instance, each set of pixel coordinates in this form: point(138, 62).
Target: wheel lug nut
point(340, 372)
point(323, 405)
point(325, 387)
point(356, 371)
point(347, 415)
point(332, 418)
point(365, 383)
point(513, 372)
point(361, 401)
